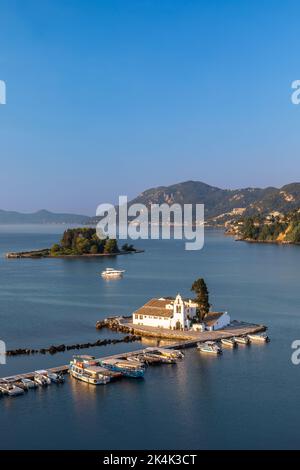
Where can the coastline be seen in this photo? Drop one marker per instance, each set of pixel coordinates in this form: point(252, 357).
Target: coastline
point(38, 254)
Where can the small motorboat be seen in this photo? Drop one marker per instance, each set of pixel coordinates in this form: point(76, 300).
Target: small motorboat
point(229, 342)
point(111, 273)
point(165, 352)
point(10, 389)
point(41, 378)
point(209, 347)
point(56, 378)
point(127, 368)
point(27, 384)
point(259, 338)
point(242, 339)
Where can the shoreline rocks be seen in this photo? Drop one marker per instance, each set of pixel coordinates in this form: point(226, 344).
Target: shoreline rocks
point(62, 347)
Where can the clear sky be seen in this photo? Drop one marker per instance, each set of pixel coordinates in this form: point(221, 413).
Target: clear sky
point(109, 97)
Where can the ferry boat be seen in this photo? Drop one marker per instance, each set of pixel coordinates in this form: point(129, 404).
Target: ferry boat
point(111, 273)
point(86, 369)
point(127, 368)
point(229, 342)
point(242, 339)
point(10, 389)
point(209, 347)
point(259, 338)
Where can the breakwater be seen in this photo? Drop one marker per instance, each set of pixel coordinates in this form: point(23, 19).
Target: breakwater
point(63, 347)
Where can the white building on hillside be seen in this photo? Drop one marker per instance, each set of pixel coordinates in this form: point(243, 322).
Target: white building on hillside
point(172, 314)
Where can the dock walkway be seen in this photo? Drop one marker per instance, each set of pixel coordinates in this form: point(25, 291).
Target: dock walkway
point(183, 341)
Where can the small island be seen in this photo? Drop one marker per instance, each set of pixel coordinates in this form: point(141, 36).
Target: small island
point(78, 242)
point(273, 228)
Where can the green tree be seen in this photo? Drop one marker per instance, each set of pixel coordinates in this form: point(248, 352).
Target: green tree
point(202, 297)
point(111, 246)
point(55, 249)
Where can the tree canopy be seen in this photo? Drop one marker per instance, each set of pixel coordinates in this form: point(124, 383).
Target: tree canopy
point(81, 241)
point(202, 297)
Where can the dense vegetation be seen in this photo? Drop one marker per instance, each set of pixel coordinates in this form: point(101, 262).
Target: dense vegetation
point(199, 287)
point(81, 241)
point(283, 230)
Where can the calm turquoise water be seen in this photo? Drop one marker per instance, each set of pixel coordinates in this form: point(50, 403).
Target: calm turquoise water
point(247, 398)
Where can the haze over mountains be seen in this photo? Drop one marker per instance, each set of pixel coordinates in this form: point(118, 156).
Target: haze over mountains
point(220, 204)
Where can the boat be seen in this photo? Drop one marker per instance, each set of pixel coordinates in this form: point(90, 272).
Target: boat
point(135, 360)
point(153, 355)
point(111, 273)
point(85, 369)
point(56, 378)
point(41, 378)
point(171, 353)
point(259, 338)
point(242, 339)
point(229, 342)
point(127, 368)
point(10, 389)
point(27, 383)
point(209, 347)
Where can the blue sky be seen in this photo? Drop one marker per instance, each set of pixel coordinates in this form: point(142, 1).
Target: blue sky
point(112, 97)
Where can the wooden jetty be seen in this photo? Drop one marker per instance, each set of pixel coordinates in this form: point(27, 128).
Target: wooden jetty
point(235, 329)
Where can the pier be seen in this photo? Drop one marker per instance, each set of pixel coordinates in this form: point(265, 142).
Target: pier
point(181, 340)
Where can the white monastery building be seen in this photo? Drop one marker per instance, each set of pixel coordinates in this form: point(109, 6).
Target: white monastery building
point(176, 314)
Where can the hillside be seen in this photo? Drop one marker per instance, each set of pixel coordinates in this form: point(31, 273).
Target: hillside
point(276, 229)
point(223, 205)
point(41, 217)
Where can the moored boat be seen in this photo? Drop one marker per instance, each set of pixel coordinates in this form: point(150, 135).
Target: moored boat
point(56, 378)
point(127, 368)
point(27, 383)
point(10, 389)
point(41, 378)
point(165, 352)
point(84, 368)
point(229, 342)
point(209, 347)
point(242, 339)
point(259, 338)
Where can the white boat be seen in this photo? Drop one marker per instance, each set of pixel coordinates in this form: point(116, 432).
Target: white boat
point(229, 342)
point(27, 383)
point(242, 339)
point(111, 273)
point(209, 347)
point(83, 368)
point(259, 338)
point(56, 378)
point(41, 378)
point(165, 352)
point(10, 389)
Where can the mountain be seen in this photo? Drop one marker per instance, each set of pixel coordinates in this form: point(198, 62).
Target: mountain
point(222, 205)
point(41, 217)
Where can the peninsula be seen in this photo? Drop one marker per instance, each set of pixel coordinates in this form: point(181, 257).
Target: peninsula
point(78, 242)
point(274, 228)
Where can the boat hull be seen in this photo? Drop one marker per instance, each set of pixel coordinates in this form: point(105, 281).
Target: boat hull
point(89, 380)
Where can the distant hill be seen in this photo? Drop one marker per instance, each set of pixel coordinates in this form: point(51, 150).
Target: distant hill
point(222, 205)
point(41, 217)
